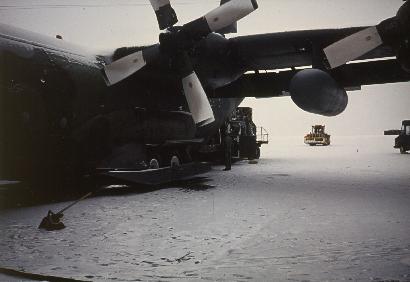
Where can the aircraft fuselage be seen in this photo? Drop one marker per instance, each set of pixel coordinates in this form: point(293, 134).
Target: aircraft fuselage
point(57, 112)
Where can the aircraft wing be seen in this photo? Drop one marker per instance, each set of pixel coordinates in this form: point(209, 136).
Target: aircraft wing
point(272, 60)
point(293, 48)
point(351, 77)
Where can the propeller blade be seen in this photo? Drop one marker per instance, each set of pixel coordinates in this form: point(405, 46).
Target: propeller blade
point(198, 102)
point(233, 28)
point(166, 15)
point(124, 67)
point(353, 46)
point(221, 17)
point(229, 13)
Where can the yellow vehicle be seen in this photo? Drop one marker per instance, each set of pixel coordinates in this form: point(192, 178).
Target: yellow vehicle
point(317, 136)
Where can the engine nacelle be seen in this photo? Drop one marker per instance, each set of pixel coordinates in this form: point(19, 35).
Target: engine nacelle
point(403, 57)
point(403, 16)
point(315, 91)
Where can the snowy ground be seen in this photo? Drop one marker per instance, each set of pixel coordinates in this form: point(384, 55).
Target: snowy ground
point(301, 214)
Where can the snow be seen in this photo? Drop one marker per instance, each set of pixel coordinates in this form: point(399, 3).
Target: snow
point(302, 213)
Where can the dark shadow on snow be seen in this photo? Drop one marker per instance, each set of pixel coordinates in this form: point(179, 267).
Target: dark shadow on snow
point(18, 195)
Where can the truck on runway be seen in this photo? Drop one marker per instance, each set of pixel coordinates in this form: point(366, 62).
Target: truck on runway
point(402, 141)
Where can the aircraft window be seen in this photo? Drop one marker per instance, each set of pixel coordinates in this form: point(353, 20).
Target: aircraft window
point(408, 130)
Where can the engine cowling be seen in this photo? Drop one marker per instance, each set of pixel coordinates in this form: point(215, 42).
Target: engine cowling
point(315, 91)
point(403, 56)
point(403, 16)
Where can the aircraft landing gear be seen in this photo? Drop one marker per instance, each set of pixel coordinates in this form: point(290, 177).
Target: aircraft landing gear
point(175, 162)
point(164, 157)
point(153, 164)
point(162, 165)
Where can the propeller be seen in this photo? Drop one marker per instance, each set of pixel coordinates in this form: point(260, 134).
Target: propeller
point(176, 43)
point(394, 31)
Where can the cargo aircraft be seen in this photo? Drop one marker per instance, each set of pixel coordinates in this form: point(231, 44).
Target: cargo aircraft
point(65, 112)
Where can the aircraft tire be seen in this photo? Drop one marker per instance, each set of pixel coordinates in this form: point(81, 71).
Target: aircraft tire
point(153, 163)
point(175, 162)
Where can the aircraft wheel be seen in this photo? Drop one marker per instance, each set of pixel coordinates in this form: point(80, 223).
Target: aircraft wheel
point(175, 162)
point(153, 163)
point(402, 151)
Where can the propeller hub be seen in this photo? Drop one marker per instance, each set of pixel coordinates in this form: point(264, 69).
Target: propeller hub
point(403, 56)
point(175, 40)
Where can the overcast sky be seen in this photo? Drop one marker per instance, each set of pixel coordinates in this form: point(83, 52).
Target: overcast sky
point(107, 24)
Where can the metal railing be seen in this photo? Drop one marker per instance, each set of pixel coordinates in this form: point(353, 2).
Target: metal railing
point(262, 135)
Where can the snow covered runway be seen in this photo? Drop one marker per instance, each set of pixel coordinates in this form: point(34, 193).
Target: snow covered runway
point(302, 214)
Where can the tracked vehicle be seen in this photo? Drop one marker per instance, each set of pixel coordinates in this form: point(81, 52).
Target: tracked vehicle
point(317, 136)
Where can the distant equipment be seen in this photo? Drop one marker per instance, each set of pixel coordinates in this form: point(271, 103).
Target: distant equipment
point(247, 138)
point(317, 136)
point(402, 141)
